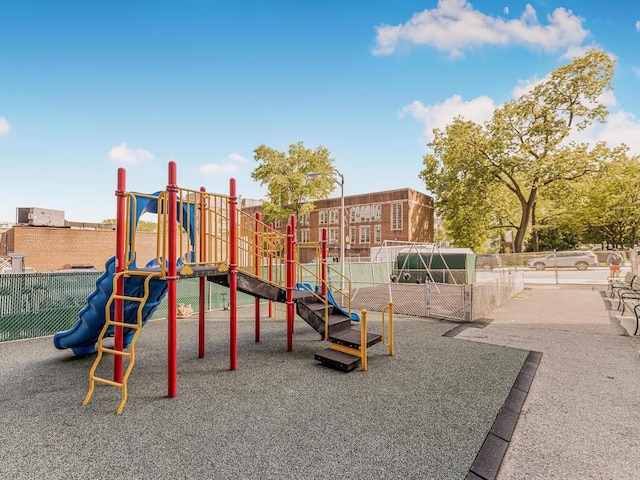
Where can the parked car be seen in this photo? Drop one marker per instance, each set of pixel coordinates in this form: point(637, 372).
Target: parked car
point(488, 261)
point(580, 259)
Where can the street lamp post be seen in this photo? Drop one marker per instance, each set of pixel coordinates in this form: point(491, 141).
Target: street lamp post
point(342, 227)
point(342, 219)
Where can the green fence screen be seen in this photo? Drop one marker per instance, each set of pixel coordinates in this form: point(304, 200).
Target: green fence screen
point(40, 304)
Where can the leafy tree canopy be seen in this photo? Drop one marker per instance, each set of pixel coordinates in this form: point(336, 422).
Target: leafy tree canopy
point(294, 179)
point(609, 203)
point(489, 176)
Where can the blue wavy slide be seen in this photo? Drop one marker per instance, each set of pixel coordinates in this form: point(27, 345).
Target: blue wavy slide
point(82, 337)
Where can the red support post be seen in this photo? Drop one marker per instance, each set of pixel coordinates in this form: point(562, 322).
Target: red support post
point(233, 273)
point(203, 259)
point(118, 312)
point(289, 283)
point(172, 355)
point(256, 271)
point(292, 222)
point(270, 271)
point(323, 263)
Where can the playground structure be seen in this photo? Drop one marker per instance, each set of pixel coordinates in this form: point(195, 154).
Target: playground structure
point(220, 243)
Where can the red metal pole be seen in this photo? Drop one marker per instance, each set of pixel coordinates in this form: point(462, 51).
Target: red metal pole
point(292, 222)
point(203, 259)
point(172, 355)
point(270, 271)
point(289, 282)
point(121, 219)
point(256, 271)
point(233, 273)
point(323, 264)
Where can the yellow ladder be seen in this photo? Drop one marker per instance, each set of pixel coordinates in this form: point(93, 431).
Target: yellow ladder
point(93, 378)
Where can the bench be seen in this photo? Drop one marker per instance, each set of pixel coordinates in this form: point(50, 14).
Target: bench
point(631, 293)
point(625, 283)
point(633, 304)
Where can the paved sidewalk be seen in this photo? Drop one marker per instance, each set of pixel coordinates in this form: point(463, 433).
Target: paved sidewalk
point(582, 416)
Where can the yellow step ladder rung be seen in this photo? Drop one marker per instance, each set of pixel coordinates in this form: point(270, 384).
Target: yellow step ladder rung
point(135, 326)
point(128, 298)
point(116, 352)
point(107, 382)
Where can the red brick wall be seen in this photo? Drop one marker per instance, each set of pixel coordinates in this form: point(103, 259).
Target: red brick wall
point(48, 248)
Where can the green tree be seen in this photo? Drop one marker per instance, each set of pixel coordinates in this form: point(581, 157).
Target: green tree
point(291, 190)
point(610, 206)
point(490, 176)
point(552, 236)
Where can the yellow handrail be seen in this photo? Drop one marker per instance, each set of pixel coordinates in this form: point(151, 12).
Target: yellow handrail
point(325, 301)
point(342, 280)
point(388, 342)
point(363, 340)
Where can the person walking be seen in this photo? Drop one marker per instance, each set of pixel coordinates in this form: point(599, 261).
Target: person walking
point(614, 260)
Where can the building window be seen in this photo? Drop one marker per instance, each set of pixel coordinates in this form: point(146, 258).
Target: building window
point(278, 223)
point(305, 219)
point(305, 235)
point(377, 234)
point(365, 234)
point(396, 217)
point(355, 215)
point(323, 217)
point(333, 216)
point(368, 213)
point(352, 234)
point(334, 236)
point(377, 212)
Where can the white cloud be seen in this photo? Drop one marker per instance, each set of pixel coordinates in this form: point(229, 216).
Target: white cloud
point(638, 25)
point(454, 26)
point(236, 157)
point(4, 126)
point(506, 10)
point(228, 165)
point(621, 127)
point(123, 154)
point(478, 110)
point(636, 71)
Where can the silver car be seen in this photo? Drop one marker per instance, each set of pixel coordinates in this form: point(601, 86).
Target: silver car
point(580, 259)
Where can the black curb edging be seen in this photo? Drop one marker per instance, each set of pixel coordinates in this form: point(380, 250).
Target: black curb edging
point(490, 456)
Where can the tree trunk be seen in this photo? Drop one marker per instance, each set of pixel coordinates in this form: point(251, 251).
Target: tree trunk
point(534, 230)
point(527, 207)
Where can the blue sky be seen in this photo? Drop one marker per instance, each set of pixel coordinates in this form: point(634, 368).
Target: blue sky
point(87, 87)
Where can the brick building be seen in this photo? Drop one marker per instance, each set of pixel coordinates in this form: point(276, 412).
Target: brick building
point(371, 218)
point(53, 248)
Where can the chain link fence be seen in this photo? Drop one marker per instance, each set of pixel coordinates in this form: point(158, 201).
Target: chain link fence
point(40, 304)
point(373, 288)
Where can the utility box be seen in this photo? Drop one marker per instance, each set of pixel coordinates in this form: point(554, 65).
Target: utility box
point(40, 217)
